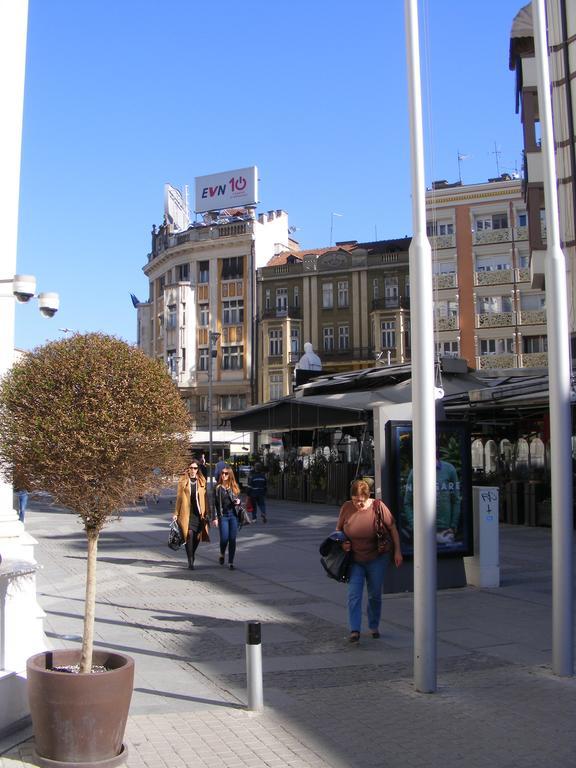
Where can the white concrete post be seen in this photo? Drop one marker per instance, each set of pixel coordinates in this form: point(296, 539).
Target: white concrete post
point(483, 569)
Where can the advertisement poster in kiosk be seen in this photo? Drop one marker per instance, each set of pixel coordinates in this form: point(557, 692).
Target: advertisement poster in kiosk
point(454, 525)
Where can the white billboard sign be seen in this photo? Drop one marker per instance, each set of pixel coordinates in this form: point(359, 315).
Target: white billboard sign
point(229, 189)
point(175, 208)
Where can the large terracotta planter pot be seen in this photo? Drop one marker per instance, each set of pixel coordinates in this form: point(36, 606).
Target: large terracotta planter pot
point(79, 719)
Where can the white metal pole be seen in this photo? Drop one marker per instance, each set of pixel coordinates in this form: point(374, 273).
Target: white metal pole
point(558, 374)
point(210, 467)
point(13, 32)
point(423, 406)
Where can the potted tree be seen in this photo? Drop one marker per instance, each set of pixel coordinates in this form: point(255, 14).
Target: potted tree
point(90, 420)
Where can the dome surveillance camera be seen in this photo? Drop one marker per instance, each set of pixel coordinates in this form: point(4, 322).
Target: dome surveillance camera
point(24, 287)
point(48, 304)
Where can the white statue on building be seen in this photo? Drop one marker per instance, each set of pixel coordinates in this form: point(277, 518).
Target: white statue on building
point(309, 360)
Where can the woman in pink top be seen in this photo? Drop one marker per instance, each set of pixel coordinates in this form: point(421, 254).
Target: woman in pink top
point(370, 547)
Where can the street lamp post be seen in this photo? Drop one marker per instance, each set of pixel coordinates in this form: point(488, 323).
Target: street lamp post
point(212, 352)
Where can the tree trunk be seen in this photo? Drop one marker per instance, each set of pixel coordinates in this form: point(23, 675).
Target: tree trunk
point(89, 603)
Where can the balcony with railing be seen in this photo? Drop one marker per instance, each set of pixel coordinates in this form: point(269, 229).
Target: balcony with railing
point(446, 323)
point(532, 317)
point(490, 236)
point(445, 280)
point(494, 277)
point(534, 360)
point(274, 313)
point(495, 319)
point(345, 355)
point(391, 302)
point(442, 241)
point(508, 360)
point(523, 275)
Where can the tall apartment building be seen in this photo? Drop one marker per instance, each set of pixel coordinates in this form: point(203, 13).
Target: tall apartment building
point(561, 25)
point(486, 309)
point(351, 302)
point(202, 280)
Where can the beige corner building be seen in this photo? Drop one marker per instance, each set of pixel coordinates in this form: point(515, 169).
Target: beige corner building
point(202, 281)
point(486, 308)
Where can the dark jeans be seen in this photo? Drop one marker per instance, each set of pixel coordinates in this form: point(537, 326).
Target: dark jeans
point(258, 502)
point(228, 528)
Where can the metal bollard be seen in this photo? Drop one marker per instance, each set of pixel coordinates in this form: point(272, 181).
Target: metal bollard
point(254, 666)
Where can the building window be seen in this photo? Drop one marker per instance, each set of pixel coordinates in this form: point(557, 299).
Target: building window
point(532, 301)
point(267, 299)
point(343, 299)
point(202, 359)
point(492, 263)
point(172, 319)
point(232, 289)
point(183, 359)
point(531, 344)
point(296, 296)
point(275, 342)
point(172, 362)
point(232, 402)
point(439, 228)
point(445, 309)
point(204, 314)
point(407, 286)
point(388, 334)
point(294, 341)
point(183, 272)
point(496, 346)
point(495, 221)
point(232, 334)
point(521, 219)
point(233, 312)
point(281, 299)
point(375, 288)
point(490, 305)
point(203, 403)
point(447, 349)
point(276, 386)
point(233, 268)
point(160, 325)
point(328, 339)
point(443, 267)
point(327, 295)
point(232, 358)
point(391, 287)
point(203, 271)
point(343, 337)
point(162, 284)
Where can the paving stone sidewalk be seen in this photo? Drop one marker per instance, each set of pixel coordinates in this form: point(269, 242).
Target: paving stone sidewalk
point(326, 703)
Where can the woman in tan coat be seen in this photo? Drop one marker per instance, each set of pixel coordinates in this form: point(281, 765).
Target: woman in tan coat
point(191, 510)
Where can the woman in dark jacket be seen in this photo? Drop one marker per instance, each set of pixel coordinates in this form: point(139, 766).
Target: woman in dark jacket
point(226, 504)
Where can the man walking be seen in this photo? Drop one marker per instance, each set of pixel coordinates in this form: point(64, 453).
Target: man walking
point(257, 486)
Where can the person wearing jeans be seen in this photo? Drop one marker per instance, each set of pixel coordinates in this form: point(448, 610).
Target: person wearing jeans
point(257, 487)
point(371, 535)
point(226, 502)
point(22, 504)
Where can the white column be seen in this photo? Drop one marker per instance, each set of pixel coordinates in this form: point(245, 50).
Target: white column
point(424, 416)
point(558, 373)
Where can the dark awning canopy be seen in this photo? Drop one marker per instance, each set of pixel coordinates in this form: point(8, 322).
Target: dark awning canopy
point(296, 413)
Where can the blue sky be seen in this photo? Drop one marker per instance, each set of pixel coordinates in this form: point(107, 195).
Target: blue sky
point(122, 97)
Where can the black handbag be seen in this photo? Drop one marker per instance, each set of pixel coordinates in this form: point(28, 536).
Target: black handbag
point(335, 561)
point(175, 538)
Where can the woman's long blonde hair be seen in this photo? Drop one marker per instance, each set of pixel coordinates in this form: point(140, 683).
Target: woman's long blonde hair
point(229, 482)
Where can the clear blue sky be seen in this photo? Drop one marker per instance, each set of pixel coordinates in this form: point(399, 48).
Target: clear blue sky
point(122, 97)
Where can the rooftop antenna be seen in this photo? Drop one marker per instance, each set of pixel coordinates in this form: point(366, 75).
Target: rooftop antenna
point(340, 215)
point(497, 152)
point(460, 158)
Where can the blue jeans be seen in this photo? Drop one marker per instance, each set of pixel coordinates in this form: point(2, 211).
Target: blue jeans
point(258, 503)
point(228, 528)
point(22, 504)
point(373, 572)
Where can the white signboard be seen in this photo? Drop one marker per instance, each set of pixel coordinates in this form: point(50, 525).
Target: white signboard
point(230, 189)
point(175, 208)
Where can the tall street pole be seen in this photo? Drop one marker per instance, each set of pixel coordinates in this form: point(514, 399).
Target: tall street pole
point(558, 374)
point(212, 340)
point(423, 406)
